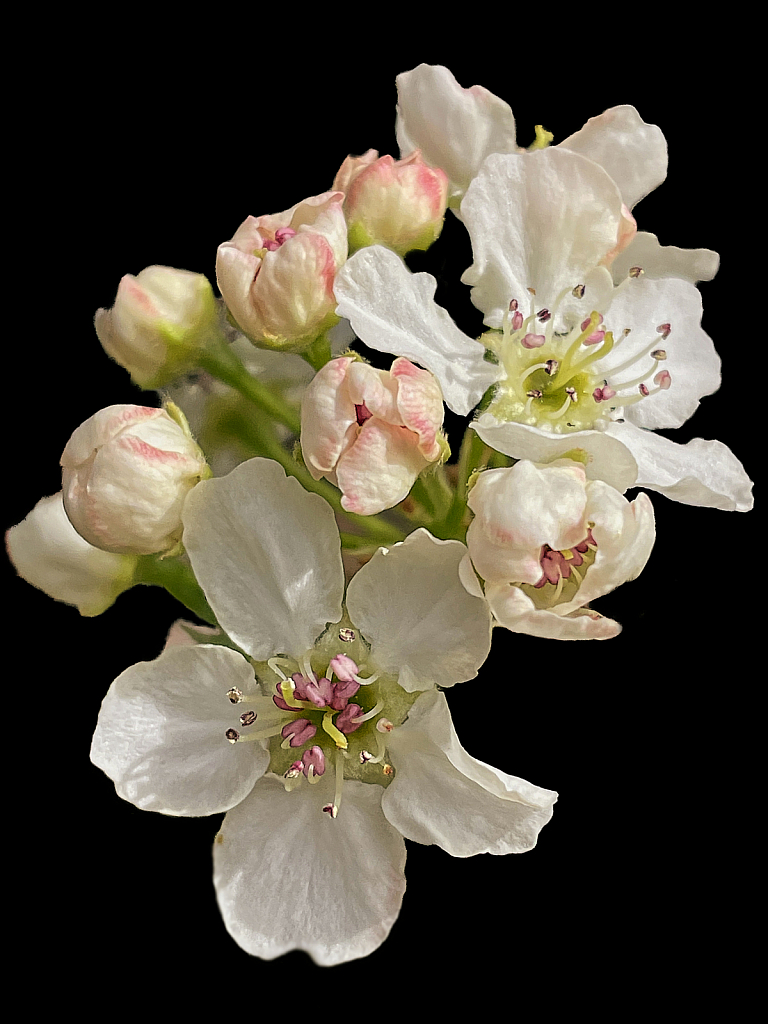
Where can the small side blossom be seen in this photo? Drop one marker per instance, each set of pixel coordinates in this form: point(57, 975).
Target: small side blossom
point(48, 552)
point(276, 274)
point(371, 432)
point(159, 322)
point(342, 744)
point(126, 472)
point(546, 541)
point(397, 203)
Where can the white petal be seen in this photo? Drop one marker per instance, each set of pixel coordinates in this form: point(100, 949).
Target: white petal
point(659, 260)
point(515, 611)
point(539, 220)
point(605, 458)
point(454, 128)
point(410, 605)
point(161, 733)
point(632, 152)
point(267, 555)
point(379, 469)
point(698, 473)
point(48, 552)
point(442, 795)
point(327, 416)
point(393, 310)
point(289, 876)
point(692, 361)
point(624, 533)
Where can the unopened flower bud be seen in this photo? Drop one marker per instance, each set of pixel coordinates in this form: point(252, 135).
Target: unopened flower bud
point(397, 203)
point(49, 553)
point(125, 474)
point(158, 324)
point(371, 432)
point(276, 274)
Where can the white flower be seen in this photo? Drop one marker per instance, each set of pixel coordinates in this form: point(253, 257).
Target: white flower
point(371, 432)
point(546, 541)
point(337, 713)
point(158, 324)
point(276, 274)
point(125, 474)
point(48, 552)
point(583, 365)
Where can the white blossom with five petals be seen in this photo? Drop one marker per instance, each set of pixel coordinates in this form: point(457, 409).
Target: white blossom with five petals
point(267, 555)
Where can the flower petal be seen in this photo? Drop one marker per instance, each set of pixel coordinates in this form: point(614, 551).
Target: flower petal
point(379, 469)
point(266, 552)
point(420, 402)
point(48, 552)
point(393, 310)
point(691, 357)
point(288, 876)
point(328, 419)
point(659, 260)
point(515, 611)
point(698, 473)
point(632, 152)
point(539, 221)
point(161, 733)
point(410, 605)
point(455, 128)
point(442, 795)
point(604, 458)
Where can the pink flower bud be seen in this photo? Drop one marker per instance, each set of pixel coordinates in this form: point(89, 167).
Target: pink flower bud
point(276, 275)
point(125, 474)
point(397, 203)
point(371, 432)
point(158, 324)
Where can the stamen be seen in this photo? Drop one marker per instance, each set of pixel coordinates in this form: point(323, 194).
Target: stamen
point(333, 809)
point(347, 635)
point(379, 706)
point(533, 340)
point(232, 735)
point(578, 291)
point(664, 330)
point(635, 272)
point(551, 366)
point(368, 680)
point(543, 315)
point(306, 667)
point(659, 353)
point(235, 695)
point(248, 718)
point(384, 725)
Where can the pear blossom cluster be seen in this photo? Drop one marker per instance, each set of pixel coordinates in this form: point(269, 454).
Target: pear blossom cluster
point(344, 567)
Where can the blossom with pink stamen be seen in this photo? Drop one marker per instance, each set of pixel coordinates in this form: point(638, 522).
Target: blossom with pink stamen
point(276, 275)
point(371, 432)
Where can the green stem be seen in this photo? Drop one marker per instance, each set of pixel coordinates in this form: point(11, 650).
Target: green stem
point(222, 363)
point(473, 455)
point(179, 580)
point(318, 353)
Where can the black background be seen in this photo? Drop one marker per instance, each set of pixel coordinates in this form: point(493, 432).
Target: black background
point(153, 155)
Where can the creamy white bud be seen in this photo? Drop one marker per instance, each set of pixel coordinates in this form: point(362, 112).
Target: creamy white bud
point(49, 553)
point(125, 474)
point(158, 324)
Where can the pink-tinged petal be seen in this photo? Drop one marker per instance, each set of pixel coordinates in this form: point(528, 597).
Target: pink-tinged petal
point(605, 457)
point(379, 469)
point(420, 402)
point(442, 795)
point(235, 274)
point(539, 220)
point(293, 293)
point(665, 260)
point(627, 231)
point(455, 128)
point(328, 422)
point(351, 167)
point(376, 390)
point(102, 427)
point(323, 215)
point(632, 152)
point(697, 473)
point(394, 311)
point(515, 611)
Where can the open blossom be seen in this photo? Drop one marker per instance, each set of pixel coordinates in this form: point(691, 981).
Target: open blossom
point(126, 472)
point(342, 746)
point(582, 363)
point(397, 203)
point(158, 324)
point(371, 432)
point(48, 552)
point(276, 274)
point(546, 541)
